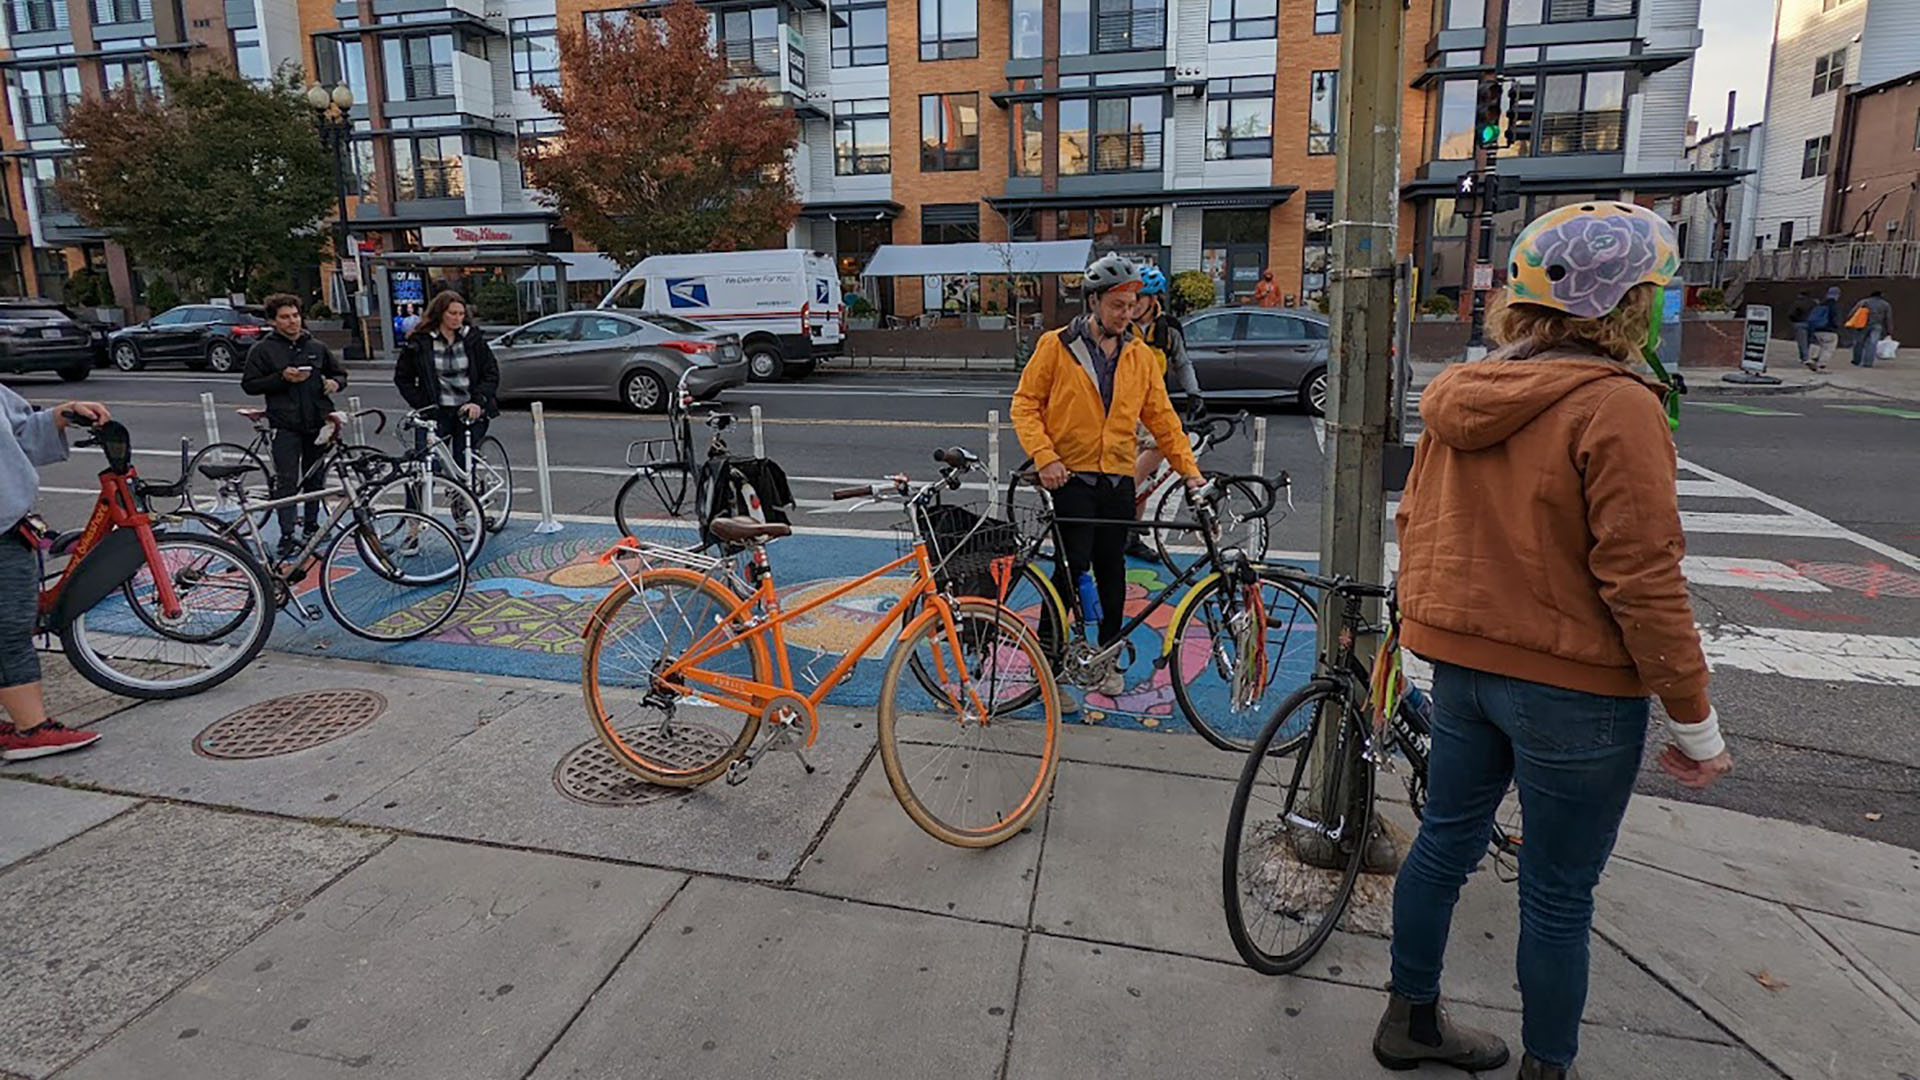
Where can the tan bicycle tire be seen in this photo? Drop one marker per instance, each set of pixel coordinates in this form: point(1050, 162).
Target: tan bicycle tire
point(603, 728)
point(898, 665)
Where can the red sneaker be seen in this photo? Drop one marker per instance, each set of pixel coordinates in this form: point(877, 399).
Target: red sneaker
point(49, 738)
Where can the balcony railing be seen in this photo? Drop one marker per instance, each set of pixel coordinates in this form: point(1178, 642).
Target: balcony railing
point(848, 163)
point(1577, 10)
point(1601, 132)
point(1820, 262)
point(421, 81)
point(752, 58)
point(1127, 31)
point(48, 108)
point(33, 16)
point(1124, 151)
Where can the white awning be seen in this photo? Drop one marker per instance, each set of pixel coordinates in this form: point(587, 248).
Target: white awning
point(581, 266)
point(948, 260)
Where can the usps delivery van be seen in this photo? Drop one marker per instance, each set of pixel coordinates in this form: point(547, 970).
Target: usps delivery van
point(785, 304)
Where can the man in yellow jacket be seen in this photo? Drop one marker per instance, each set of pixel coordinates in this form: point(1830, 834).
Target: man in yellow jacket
point(1087, 387)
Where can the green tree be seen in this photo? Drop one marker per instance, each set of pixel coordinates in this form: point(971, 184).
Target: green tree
point(161, 296)
point(494, 302)
point(660, 150)
point(219, 181)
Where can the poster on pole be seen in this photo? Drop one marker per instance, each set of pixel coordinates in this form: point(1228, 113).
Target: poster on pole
point(1753, 351)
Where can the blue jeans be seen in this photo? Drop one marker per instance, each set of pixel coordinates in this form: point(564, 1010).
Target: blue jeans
point(1865, 342)
point(1803, 338)
point(1574, 757)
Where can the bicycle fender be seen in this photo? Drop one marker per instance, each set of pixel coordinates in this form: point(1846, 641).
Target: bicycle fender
point(1180, 611)
point(111, 564)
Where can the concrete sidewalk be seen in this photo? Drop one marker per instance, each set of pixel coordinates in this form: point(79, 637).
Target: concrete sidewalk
point(417, 898)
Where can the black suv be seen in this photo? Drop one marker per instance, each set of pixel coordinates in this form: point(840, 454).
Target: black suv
point(198, 335)
point(39, 335)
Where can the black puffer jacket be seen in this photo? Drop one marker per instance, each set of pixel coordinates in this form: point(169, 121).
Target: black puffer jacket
point(293, 406)
point(419, 381)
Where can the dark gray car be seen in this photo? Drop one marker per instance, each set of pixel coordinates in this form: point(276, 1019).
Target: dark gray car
point(616, 356)
point(1260, 354)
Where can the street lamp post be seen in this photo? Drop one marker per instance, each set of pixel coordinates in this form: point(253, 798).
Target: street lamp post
point(331, 108)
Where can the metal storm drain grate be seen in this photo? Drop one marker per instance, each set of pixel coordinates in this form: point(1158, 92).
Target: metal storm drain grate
point(590, 773)
point(286, 724)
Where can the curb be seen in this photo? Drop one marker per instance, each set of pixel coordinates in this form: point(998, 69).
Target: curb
point(1725, 389)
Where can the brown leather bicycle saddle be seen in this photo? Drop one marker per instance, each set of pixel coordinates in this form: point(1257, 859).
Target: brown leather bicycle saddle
point(743, 530)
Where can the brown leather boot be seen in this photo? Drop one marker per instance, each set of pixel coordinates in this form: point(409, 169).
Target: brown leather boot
point(1532, 1069)
point(1410, 1034)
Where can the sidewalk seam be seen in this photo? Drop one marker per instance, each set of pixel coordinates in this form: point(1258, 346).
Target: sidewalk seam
point(1850, 917)
point(1604, 932)
point(1847, 956)
point(258, 933)
point(820, 835)
point(612, 970)
point(1026, 932)
point(138, 802)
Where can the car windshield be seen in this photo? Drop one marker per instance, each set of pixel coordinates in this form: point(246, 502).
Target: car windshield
point(673, 324)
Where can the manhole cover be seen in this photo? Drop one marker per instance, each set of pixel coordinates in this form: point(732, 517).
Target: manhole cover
point(1870, 581)
point(589, 773)
point(286, 724)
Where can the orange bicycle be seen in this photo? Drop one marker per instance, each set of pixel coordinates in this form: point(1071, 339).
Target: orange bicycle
point(685, 664)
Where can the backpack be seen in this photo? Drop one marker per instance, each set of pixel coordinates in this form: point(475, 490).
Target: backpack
point(1821, 317)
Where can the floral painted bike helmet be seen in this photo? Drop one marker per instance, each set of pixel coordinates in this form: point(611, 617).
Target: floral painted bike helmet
point(1152, 281)
point(1584, 259)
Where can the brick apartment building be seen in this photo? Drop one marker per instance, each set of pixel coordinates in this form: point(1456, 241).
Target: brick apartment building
point(56, 52)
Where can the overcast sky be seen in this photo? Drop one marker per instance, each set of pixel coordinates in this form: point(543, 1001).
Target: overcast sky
point(1737, 36)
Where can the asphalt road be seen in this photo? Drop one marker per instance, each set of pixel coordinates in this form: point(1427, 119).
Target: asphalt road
point(1803, 518)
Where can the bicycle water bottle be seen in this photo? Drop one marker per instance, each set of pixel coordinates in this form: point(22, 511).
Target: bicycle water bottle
point(1089, 598)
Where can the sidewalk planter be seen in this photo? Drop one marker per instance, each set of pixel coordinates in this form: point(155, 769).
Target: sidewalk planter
point(326, 324)
point(862, 322)
point(992, 322)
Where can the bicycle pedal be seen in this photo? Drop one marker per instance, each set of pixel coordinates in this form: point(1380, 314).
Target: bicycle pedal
point(305, 613)
point(737, 772)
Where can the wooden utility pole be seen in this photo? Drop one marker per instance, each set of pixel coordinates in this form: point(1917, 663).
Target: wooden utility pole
point(1365, 227)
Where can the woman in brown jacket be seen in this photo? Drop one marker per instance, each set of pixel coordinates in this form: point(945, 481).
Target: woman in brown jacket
point(1540, 551)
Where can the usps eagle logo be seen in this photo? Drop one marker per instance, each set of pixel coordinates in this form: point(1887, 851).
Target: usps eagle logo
point(687, 292)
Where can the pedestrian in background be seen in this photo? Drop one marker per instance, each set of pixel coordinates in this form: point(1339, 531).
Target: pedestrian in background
point(297, 376)
point(446, 367)
point(1866, 339)
point(29, 438)
point(1823, 323)
point(1266, 293)
point(1540, 549)
point(1797, 315)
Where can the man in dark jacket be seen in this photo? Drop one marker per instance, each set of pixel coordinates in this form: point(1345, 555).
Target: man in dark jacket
point(1797, 315)
point(295, 374)
point(445, 366)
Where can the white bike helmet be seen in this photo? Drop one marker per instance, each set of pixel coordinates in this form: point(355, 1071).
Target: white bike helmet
point(1111, 271)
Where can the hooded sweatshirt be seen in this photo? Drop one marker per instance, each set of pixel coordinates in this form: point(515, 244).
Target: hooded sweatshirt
point(1540, 531)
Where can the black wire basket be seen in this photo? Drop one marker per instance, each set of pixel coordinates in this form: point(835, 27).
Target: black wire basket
point(965, 547)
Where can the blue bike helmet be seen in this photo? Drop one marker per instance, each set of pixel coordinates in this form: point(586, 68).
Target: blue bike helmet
point(1152, 281)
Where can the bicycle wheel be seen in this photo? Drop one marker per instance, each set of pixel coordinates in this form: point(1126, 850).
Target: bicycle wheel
point(656, 506)
point(204, 493)
point(128, 645)
point(1033, 598)
point(393, 575)
point(970, 779)
point(194, 523)
point(667, 734)
point(492, 481)
point(441, 498)
point(1235, 651)
point(1235, 523)
point(1295, 841)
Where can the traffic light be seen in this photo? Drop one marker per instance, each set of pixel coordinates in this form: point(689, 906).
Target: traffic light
point(1502, 192)
point(1487, 126)
point(1520, 112)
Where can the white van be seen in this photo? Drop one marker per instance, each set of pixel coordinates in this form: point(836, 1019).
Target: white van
point(785, 304)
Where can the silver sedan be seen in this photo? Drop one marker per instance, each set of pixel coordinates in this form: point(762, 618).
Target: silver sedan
point(616, 356)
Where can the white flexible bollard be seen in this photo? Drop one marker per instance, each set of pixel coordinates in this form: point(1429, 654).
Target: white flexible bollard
point(210, 413)
point(759, 435)
point(1259, 446)
point(359, 425)
point(993, 448)
point(547, 523)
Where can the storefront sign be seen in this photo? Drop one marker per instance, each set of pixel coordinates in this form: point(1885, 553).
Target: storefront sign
point(1753, 354)
point(531, 234)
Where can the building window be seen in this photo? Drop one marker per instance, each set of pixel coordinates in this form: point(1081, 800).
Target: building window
point(1916, 131)
point(1025, 40)
point(47, 95)
point(1233, 251)
point(1323, 112)
point(46, 173)
point(11, 282)
point(536, 53)
point(1815, 156)
point(1326, 16)
point(1076, 136)
point(1829, 5)
point(949, 30)
point(418, 68)
point(141, 76)
point(1579, 10)
point(1128, 25)
point(429, 167)
point(1240, 118)
point(36, 16)
point(1241, 20)
point(1452, 120)
point(107, 12)
point(1111, 227)
point(1830, 72)
point(949, 132)
point(1028, 134)
point(860, 33)
point(1126, 133)
point(1786, 234)
point(749, 38)
point(950, 223)
point(1582, 113)
point(1316, 246)
point(250, 57)
point(340, 62)
point(861, 142)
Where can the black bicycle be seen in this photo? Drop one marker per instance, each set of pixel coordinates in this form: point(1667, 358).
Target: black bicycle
point(1297, 835)
point(670, 496)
